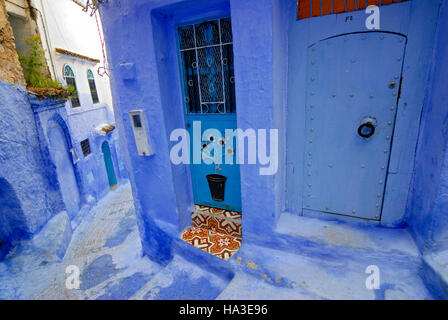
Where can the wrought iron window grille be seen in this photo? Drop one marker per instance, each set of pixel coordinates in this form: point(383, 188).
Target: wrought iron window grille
point(206, 51)
point(69, 77)
point(85, 147)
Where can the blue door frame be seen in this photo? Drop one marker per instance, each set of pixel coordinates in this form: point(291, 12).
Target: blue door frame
point(206, 67)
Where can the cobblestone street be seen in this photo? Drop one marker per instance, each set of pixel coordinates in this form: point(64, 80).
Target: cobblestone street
point(105, 246)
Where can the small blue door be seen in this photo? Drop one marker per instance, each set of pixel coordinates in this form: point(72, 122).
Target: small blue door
point(109, 164)
point(352, 97)
point(206, 60)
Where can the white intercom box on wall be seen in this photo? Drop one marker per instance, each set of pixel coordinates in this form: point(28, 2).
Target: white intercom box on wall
point(139, 127)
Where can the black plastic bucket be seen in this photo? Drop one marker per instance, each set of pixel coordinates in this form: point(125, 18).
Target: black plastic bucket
point(217, 184)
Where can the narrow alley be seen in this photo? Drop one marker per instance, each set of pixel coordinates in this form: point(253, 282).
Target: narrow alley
point(106, 247)
point(176, 150)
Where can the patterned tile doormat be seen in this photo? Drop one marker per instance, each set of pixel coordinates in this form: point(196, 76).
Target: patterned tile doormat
point(215, 231)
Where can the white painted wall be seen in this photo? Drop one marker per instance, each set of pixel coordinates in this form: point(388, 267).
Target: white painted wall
point(67, 26)
point(17, 8)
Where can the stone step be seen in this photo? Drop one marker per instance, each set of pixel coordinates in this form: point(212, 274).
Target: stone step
point(435, 272)
point(182, 280)
point(317, 271)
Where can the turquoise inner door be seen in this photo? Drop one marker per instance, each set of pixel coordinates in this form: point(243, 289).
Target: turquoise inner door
point(109, 164)
point(353, 85)
point(206, 63)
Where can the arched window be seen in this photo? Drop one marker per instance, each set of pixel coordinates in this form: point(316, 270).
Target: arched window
point(92, 86)
point(69, 77)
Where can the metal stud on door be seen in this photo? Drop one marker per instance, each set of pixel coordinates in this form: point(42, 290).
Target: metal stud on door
point(352, 97)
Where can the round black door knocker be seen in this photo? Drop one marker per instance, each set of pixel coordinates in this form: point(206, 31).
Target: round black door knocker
point(366, 130)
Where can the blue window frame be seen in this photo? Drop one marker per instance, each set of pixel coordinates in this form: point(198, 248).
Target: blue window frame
point(69, 77)
point(206, 53)
point(92, 86)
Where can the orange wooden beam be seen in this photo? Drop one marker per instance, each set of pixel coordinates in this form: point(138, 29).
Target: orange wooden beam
point(338, 6)
point(316, 9)
point(351, 5)
point(304, 9)
point(361, 4)
point(326, 7)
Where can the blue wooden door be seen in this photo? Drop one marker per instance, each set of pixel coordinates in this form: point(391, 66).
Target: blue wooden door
point(109, 164)
point(206, 63)
point(353, 84)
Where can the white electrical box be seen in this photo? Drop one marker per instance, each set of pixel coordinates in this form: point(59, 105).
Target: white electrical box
point(139, 126)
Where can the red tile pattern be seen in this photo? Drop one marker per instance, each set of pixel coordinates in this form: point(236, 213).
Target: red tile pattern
point(216, 231)
point(220, 245)
point(221, 212)
point(218, 220)
point(314, 8)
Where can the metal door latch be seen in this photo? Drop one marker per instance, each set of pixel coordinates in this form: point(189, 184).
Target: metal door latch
point(367, 128)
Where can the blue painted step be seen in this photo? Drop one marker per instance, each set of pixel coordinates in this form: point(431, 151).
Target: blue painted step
point(182, 280)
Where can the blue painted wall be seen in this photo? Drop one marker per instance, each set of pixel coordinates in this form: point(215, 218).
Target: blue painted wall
point(258, 73)
point(135, 85)
point(91, 182)
point(27, 189)
point(92, 172)
point(55, 144)
point(164, 21)
point(37, 176)
point(147, 77)
point(428, 205)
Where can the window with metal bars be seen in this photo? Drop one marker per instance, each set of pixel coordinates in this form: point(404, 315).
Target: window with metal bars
point(85, 147)
point(315, 8)
point(208, 79)
point(69, 77)
point(93, 92)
